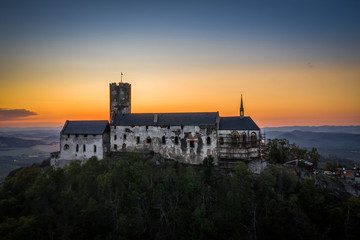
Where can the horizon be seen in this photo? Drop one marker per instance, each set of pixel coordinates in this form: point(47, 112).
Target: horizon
point(295, 63)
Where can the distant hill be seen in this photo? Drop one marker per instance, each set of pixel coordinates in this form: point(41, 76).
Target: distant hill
point(13, 142)
point(328, 129)
point(346, 145)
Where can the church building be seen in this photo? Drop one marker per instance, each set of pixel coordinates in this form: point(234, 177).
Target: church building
point(185, 137)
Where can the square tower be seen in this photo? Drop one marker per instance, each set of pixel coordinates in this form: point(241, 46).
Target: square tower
point(120, 99)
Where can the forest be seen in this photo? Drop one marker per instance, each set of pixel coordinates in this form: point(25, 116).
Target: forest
point(129, 197)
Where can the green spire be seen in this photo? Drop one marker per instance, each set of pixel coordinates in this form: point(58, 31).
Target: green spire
point(241, 108)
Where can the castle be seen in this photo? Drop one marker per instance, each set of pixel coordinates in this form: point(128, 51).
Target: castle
point(184, 137)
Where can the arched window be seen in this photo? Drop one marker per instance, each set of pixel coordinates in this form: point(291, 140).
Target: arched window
point(221, 140)
point(253, 139)
point(208, 140)
point(148, 140)
point(235, 138)
point(84, 148)
point(243, 139)
point(77, 147)
point(94, 148)
point(176, 140)
point(137, 140)
point(163, 140)
point(115, 147)
point(66, 147)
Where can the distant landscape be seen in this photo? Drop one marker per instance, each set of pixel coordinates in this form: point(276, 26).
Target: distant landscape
point(21, 147)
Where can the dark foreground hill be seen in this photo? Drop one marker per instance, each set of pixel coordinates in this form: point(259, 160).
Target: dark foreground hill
point(131, 196)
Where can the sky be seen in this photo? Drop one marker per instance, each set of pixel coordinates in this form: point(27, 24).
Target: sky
point(295, 62)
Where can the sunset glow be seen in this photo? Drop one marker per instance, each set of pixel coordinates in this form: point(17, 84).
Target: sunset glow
point(196, 60)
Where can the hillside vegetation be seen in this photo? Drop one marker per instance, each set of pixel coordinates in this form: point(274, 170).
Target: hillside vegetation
point(131, 197)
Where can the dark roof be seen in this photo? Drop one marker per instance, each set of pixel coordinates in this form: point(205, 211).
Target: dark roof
point(167, 119)
point(237, 123)
point(85, 127)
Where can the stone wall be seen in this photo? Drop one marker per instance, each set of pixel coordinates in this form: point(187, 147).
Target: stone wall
point(188, 144)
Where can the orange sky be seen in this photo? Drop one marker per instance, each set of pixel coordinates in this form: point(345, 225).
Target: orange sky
point(273, 96)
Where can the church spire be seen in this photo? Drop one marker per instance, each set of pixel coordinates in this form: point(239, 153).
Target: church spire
point(241, 108)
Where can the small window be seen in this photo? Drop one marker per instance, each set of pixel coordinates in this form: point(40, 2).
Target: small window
point(94, 148)
point(137, 140)
point(115, 137)
point(94, 135)
point(192, 144)
point(208, 140)
point(115, 146)
point(68, 135)
point(182, 127)
point(114, 127)
point(84, 148)
point(163, 140)
point(168, 127)
point(76, 135)
point(221, 140)
point(66, 147)
point(176, 140)
point(148, 140)
point(85, 135)
point(77, 147)
point(124, 136)
point(123, 146)
point(147, 127)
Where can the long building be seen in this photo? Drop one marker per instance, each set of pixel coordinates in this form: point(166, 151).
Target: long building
point(185, 137)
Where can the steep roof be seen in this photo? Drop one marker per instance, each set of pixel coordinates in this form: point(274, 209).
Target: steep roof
point(85, 127)
point(237, 123)
point(167, 119)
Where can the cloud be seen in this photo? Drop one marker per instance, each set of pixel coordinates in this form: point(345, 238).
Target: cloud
point(14, 114)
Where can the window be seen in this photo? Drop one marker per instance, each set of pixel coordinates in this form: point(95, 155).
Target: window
point(115, 147)
point(124, 146)
point(137, 140)
point(68, 135)
point(84, 148)
point(147, 127)
point(85, 135)
point(124, 136)
point(182, 127)
point(168, 127)
point(176, 140)
point(115, 137)
point(148, 140)
point(76, 135)
point(163, 140)
point(235, 138)
point(208, 140)
point(192, 144)
point(94, 148)
point(253, 139)
point(243, 139)
point(77, 147)
point(94, 135)
point(66, 147)
point(221, 140)
point(114, 127)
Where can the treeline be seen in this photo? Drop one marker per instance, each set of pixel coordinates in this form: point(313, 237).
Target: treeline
point(132, 198)
point(281, 151)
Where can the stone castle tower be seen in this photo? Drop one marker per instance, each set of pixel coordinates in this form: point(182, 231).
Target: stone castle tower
point(120, 99)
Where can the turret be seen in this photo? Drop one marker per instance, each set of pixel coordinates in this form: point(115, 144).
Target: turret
point(241, 108)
